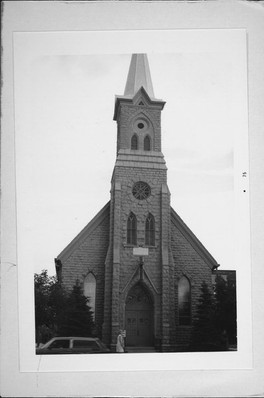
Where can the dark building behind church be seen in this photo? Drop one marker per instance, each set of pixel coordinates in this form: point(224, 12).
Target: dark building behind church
point(153, 297)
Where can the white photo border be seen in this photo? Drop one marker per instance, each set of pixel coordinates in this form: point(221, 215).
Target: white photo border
point(21, 16)
point(30, 45)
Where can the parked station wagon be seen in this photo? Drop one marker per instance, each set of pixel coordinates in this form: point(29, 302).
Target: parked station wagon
point(72, 345)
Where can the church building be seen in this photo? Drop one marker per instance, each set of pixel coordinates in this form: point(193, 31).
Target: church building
point(137, 261)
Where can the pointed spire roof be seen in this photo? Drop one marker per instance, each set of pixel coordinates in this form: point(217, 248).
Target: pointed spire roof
point(139, 76)
point(138, 79)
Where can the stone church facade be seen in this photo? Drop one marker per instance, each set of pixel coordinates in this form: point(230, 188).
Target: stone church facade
point(139, 263)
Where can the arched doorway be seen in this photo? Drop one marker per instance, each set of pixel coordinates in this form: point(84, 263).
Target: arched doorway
point(139, 317)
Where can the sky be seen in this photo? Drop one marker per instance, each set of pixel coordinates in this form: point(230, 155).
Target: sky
point(67, 148)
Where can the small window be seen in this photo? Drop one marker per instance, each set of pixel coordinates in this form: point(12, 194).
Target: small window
point(147, 143)
point(59, 344)
point(150, 231)
point(134, 142)
point(86, 344)
point(184, 300)
point(132, 229)
point(140, 125)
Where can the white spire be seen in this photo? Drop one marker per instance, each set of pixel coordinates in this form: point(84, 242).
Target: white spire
point(139, 76)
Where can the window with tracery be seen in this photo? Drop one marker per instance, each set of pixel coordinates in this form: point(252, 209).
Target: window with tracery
point(147, 143)
point(134, 142)
point(150, 231)
point(184, 300)
point(141, 190)
point(132, 229)
point(89, 291)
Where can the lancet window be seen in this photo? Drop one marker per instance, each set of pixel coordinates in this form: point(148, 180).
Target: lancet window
point(134, 142)
point(150, 230)
point(147, 143)
point(184, 301)
point(132, 229)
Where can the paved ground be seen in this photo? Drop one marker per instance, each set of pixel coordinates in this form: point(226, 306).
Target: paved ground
point(140, 349)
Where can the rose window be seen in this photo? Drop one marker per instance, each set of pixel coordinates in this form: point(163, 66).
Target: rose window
point(141, 190)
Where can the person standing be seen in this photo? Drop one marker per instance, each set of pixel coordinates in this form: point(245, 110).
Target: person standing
point(120, 344)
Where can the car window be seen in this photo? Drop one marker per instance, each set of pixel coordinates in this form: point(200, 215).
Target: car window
point(89, 344)
point(102, 346)
point(59, 344)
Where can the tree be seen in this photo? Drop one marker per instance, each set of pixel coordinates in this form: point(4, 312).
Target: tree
point(58, 312)
point(77, 319)
point(225, 296)
point(206, 335)
point(44, 312)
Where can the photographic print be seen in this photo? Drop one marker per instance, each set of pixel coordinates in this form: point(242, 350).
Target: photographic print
point(127, 189)
point(132, 151)
point(136, 277)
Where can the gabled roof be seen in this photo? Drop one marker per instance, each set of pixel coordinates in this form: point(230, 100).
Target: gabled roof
point(88, 230)
point(132, 99)
point(193, 240)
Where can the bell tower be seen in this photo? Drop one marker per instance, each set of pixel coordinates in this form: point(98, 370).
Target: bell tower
point(139, 214)
point(138, 112)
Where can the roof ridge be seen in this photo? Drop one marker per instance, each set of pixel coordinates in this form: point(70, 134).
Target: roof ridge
point(194, 241)
point(99, 217)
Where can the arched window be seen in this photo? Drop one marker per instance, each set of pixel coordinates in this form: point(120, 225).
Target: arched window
point(134, 142)
point(184, 300)
point(132, 229)
point(147, 143)
point(89, 290)
point(150, 231)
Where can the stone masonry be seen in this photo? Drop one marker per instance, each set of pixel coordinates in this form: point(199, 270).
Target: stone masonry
point(102, 248)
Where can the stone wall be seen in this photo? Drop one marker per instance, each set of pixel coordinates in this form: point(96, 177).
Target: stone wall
point(106, 253)
point(89, 256)
point(128, 113)
point(128, 263)
point(187, 261)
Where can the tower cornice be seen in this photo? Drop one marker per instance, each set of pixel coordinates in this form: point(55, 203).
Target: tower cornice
point(127, 100)
point(149, 160)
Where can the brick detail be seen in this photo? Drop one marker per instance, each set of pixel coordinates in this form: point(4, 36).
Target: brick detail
point(128, 113)
point(165, 235)
point(89, 256)
point(116, 260)
point(104, 249)
point(187, 261)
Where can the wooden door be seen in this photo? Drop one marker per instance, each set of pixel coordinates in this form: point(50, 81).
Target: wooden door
point(139, 318)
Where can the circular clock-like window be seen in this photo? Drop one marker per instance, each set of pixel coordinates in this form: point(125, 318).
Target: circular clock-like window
point(141, 190)
point(141, 125)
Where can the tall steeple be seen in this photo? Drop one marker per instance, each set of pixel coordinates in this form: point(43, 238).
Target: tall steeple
point(140, 205)
point(137, 112)
point(139, 76)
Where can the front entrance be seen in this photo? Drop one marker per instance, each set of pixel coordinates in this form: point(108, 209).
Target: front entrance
point(139, 318)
